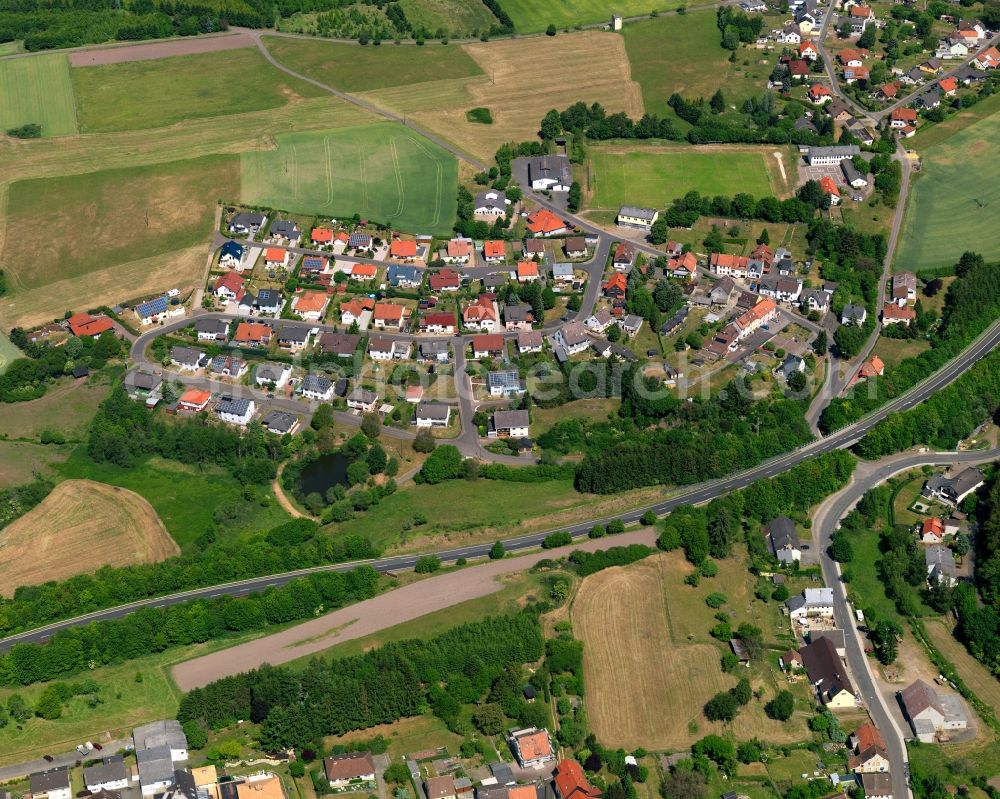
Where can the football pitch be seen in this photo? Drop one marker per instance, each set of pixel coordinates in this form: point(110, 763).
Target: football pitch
point(37, 89)
point(953, 207)
point(653, 177)
point(383, 172)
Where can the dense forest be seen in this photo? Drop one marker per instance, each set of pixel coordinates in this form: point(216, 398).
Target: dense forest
point(979, 623)
point(396, 680)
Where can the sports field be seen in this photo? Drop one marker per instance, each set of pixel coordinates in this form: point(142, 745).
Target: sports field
point(456, 17)
point(135, 95)
point(649, 663)
point(684, 54)
point(953, 208)
point(383, 172)
point(360, 69)
point(530, 16)
point(111, 217)
point(37, 89)
point(653, 177)
point(79, 527)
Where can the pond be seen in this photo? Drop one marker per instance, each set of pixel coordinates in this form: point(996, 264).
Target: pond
point(322, 474)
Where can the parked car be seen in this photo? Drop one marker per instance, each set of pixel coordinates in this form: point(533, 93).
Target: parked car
point(48, 758)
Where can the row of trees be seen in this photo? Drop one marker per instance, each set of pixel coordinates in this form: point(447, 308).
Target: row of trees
point(151, 630)
point(399, 679)
point(979, 622)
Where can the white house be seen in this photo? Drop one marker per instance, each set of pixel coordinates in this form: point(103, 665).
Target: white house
point(931, 713)
point(633, 216)
point(52, 784)
point(361, 399)
point(275, 374)
point(110, 775)
point(550, 173)
point(235, 410)
point(572, 337)
point(491, 203)
point(350, 770)
point(432, 414)
point(783, 539)
point(509, 424)
point(811, 602)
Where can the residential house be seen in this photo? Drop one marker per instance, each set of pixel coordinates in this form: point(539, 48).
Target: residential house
point(752, 320)
point(488, 345)
point(781, 289)
point(571, 783)
point(252, 334)
point(401, 276)
point(363, 272)
point(445, 280)
point(432, 414)
point(928, 100)
point(902, 117)
point(231, 255)
point(343, 345)
point(359, 241)
point(855, 74)
point(954, 46)
point(876, 786)
point(280, 423)
point(722, 290)
point(550, 173)
point(311, 305)
point(790, 34)
point(285, 230)
point(504, 383)
point(932, 531)
point(873, 367)
point(810, 603)
point(633, 216)
point(403, 250)
point(109, 775)
point(783, 540)
point(791, 660)
point(599, 321)
point(808, 51)
point(860, 17)
point(272, 374)
point(439, 322)
point(527, 272)
point(818, 93)
point(828, 674)
point(353, 770)
point(684, 266)
point(987, 59)
point(852, 176)
point(483, 314)
point(247, 223)
point(321, 236)
point(727, 265)
point(948, 86)
point(314, 265)
point(434, 351)
point(545, 223)
point(490, 204)
point(887, 92)
point(893, 314)
point(494, 251)
point(624, 257)
point(186, 359)
point(798, 70)
point(228, 366)
point(382, 348)
point(904, 288)
point(361, 399)
point(518, 317)
point(852, 314)
point(804, 123)
point(615, 286)
point(357, 311)
point(440, 788)
point(931, 713)
point(830, 156)
point(533, 249)
point(829, 186)
point(853, 57)
point(674, 321)
point(83, 324)
point(53, 784)
point(390, 316)
point(457, 251)
point(529, 341)
point(814, 300)
point(631, 325)
point(268, 302)
point(572, 337)
point(294, 337)
point(229, 287)
point(576, 247)
point(194, 399)
point(509, 424)
point(941, 567)
point(532, 747)
point(952, 490)
point(275, 258)
point(869, 755)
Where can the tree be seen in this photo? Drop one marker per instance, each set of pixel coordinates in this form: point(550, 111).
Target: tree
point(18, 708)
point(742, 692)
point(820, 343)
point(358, 472)
point(797, 382)
point(718, 102)
point(322, 417)
point(840, 547)
point(376, 459)
point(497, 551)
point(197, 736)
point(574, 196)
point(489, 719)
point(684, 783)
point(428, 564)
point(444, 463)
point(49, 704)
point(424, 442)
point(884, 637)
point(750, 751)
point(781, 707)
point(721, 707)
point(371, 425)
point(551, 30)
point(764, 237)
point(867, 39)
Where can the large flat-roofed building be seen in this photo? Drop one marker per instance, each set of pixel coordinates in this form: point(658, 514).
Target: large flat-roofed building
point(831, 156)
point(634, 216)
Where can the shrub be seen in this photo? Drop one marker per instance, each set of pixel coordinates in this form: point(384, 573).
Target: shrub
point(716, 599)
point(554, 540)
point(427, 564)
point(597, 531)
point(616, 526)
point(648, 518)
point(708, 568)
point(721, 707)
point(781, 707)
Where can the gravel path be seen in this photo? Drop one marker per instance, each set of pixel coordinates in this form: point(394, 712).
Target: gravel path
point(386, 610)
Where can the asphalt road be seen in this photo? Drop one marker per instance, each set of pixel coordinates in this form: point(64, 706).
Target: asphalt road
point(703, 492)
point(825, 522)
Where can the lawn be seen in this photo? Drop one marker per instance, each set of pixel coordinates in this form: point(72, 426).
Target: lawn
point(66, 408)
point(360, 69)
point(384, 172)
point(591, 409)
point(38, 89)
point(684, 54)
point(415, 734)
point(653, 177)
point(530, 16)
point(135, 95)
point(455, 17)
point(111, 217)
point(973, 673)
point(894, 350)
point(8, 352)
point(20, 461)
point(951, 207)
point(185, 497)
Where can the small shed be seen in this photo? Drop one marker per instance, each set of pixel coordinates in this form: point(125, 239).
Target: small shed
point(740, 651)
point(529, 692)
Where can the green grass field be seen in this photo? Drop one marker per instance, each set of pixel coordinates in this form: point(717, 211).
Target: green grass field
point(641, 176)
point(530, 16)
point(136, 95)
point(456, 17)
point(185, 497)
point(693, 64)
point(38, 89)
point(383, 172)
point(8, 352)
point(952, 207)
point(111, 217)
point(361, 69)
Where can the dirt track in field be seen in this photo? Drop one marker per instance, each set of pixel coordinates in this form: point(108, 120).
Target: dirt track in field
point(148, 52)
point(386, 610)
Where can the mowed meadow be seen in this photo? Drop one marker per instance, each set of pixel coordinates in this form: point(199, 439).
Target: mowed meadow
point(37, 90)
point(954, 200)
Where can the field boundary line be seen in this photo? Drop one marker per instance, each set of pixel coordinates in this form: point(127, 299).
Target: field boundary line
point(362, 173)
point(401, 199)
point(329, 172)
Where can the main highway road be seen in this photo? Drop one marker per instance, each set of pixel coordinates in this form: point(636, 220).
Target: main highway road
point(694, 495)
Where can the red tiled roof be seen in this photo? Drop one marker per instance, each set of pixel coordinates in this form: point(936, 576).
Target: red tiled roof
point(861, 11)
point(893, 311)
point(310, 301)
point(252, 332)
point(389, 311)
point(439, 320)
point(616, 281)
point(83, 324)
point(446, 278)
point(852, 54)
point(527, 269)
point(364, 270)
point(459, 248)
point(494, 249)
point(758, 312)
point(948, 84)
point(544, 221)
point(904, 114)
point(403, 249)
point(534, 745)
point(932, 526)
point(571, 783)
point(828, 185)
point(819, 90)
point(798, 68)
point(321, 234)
point(274, 254)
point(481, 309)
point(492, 342)
point(195, 397)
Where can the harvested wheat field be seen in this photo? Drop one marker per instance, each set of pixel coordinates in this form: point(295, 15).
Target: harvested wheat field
point(522, 80)
point(643, 688)
point(79, 527)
